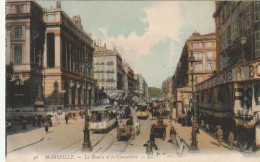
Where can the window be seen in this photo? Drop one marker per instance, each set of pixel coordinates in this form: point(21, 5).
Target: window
point(209, 67)
point(18, 32)
point(208, 44)
point(248, 15)
point(18, 54)
point(209, 55)
point(235, 30)
point(229, 36)
point(198, 68)
point(257, 11)
point(19, 8)
point(257, 41)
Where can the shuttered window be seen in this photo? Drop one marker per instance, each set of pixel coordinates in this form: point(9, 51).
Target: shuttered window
point(257, 11)
point(257, 41)
point(18, 54)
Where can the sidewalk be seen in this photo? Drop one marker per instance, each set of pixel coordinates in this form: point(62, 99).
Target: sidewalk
point(206, 142)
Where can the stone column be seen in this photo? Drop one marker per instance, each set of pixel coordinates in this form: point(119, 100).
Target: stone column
point(82, 95)
point(57, 49)
point(45, 52)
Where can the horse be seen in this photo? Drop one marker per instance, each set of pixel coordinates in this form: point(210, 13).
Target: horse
point(156, 114)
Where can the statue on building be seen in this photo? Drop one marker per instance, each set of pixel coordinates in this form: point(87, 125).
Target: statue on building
point(58, 4)
point(77, 21)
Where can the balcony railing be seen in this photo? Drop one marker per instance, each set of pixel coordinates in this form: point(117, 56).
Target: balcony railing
point(110, 80)
point(110, 71)
point(110, 63)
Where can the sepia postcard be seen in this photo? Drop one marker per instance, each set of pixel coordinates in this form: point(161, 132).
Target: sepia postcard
point(131, 80)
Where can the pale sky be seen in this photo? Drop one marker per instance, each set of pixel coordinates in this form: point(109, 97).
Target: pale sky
point(149, 35)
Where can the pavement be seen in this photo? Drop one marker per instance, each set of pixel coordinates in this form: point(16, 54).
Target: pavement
point(64, 141)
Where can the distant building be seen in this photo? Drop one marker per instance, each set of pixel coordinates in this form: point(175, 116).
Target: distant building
point(108, 68)
point(129, 73)
point(143, 87)
point(203, 49)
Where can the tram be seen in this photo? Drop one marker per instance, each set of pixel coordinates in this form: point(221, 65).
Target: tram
point(142, 110)
point(231, 99)
point(103, 118)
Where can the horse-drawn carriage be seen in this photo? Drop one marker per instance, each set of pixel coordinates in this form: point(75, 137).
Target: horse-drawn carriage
point(125, 127)
point(103, 118)
point(142, 110)
point(159, 129)
point(124, 111)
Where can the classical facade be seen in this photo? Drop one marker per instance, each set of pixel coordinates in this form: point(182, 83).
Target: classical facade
point(25, 40)
point(108, 68)
point(68, 58)
point(48, 57)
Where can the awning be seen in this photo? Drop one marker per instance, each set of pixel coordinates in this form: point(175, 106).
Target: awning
point(136, 99)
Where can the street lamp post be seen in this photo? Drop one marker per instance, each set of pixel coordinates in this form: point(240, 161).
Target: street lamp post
point(192, 59)
point(86, 143)
point(194, 142)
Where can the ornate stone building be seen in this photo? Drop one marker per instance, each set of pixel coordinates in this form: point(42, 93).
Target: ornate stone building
point(48, 58)
point(25, 39)
point(68, 58)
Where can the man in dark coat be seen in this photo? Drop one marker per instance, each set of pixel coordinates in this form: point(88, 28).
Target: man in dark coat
point(172, 135)
point(152, 138)
point(66, 118)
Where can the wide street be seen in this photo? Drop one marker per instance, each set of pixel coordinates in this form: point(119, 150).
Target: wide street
point(65, 142)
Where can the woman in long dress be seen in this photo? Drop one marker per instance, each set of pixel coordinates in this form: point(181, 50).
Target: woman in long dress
point(57, 121)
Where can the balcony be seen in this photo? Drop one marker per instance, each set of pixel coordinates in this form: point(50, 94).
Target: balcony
point(110, 63)
point(110, 80)
point(110, 71)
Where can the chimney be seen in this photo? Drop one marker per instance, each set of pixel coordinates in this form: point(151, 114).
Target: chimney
point(105, 45)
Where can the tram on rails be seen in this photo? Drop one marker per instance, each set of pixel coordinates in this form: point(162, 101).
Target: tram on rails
point(142, 110)
point(231, 99)
point(103, 118)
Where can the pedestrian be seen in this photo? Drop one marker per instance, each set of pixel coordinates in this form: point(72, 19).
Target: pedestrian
point(46, 125)
point(172, 135)
point(66, 118)
point(207, 127)
point(181, 147)
point(74, 116)
point(80, 114)
point(152, 138)
point(219, 135)
point(57, 121)
point(231, 140)
point(34, 120)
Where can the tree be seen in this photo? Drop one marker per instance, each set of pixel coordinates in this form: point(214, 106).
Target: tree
point(154, 92)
